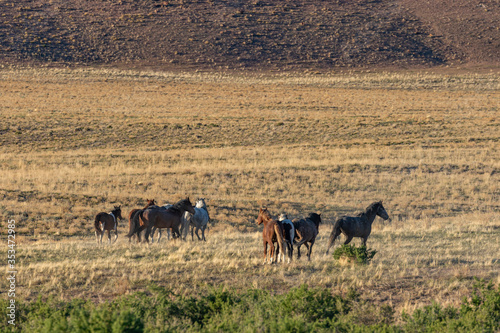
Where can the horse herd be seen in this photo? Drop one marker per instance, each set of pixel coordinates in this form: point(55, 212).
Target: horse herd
point(286, 234)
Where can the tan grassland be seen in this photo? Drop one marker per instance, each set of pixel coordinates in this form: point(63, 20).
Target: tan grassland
point(77, 142)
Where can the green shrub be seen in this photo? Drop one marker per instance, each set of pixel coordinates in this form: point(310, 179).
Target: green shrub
point(479, 314)
point(302, 309)
point(361, 254)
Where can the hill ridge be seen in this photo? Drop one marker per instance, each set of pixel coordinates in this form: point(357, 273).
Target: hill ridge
point(268, 34)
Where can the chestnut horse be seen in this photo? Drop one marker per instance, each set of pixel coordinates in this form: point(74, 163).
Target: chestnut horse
point(134, 225)
point(357, 226)
point(272, 233)
point(107, 222)
point(306, 231)
point(156, 218)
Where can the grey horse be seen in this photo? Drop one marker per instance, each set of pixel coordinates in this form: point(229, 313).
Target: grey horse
point(357, 226)
point(199, 220)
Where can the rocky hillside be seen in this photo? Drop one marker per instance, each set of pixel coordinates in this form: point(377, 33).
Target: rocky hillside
point(238, 34)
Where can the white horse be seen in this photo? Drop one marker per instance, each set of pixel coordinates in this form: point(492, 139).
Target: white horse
point(199, 220)
point(289, 230)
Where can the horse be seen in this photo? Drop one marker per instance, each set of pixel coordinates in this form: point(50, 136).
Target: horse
point(166, 206)
point(134, 224)
point(197, 221)
point(357, 226)
point(107, 222)
point(273, 232)
point(157, 218)
point(306, 231)
point(288, 234)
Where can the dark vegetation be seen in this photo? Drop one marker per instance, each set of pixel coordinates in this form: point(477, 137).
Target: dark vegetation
point(300, 310)
point(351, 253)
point(257, 34)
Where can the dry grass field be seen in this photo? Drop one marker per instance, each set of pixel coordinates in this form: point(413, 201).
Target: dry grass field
point(77, 142)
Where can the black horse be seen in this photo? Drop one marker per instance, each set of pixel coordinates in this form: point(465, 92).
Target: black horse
point(357, 226)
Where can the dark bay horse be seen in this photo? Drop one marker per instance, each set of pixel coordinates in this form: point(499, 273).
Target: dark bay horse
point(107, 222)
point(133, 223)
point(272, 233)
point(306, 231)
point(288, 234)
point(160, 217)
point(357, 226)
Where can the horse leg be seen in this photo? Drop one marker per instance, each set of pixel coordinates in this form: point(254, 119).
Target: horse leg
point(146, 234)
point(116, 234)
point(309, 250)
point(290, 251)
point(109, 237)
point(153, 230)
point(176, 231)
point(348, 240)
point(203, 233)
point(265, 252)
point(272, 251)
point(182, 229)
point(364, 241)
point(198, 229)
point(277, 253)
point(97, 237)
point(159, 235)
point(298, 251)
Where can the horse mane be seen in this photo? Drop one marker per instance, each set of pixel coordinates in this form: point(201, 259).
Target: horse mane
point(177, 207)
point(315, 218)
point(373, 207)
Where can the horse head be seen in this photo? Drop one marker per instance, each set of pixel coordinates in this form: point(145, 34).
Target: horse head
point(315, 217)
point(283, 217)
point(117, 211)
point(188, 206)
point(381, 211)
point(263, 216)
point(200, 203)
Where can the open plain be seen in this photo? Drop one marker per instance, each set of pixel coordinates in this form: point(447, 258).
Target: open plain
point(76, 142)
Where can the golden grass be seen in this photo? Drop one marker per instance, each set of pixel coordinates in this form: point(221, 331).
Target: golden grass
point(74, 143)
point(417, 262)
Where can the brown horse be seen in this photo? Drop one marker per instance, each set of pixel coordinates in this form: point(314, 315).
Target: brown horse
point(133, 223)
point(160, 217)
point(306, 231)
point(107, 222)
point(272, 233)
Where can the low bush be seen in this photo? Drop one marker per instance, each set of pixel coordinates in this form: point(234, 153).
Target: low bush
point(360, 255)
point(302, 309)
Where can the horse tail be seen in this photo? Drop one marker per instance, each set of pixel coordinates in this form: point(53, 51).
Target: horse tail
point(96, 222)
point(334, 234)
point(133, 222)
point(278, 229)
